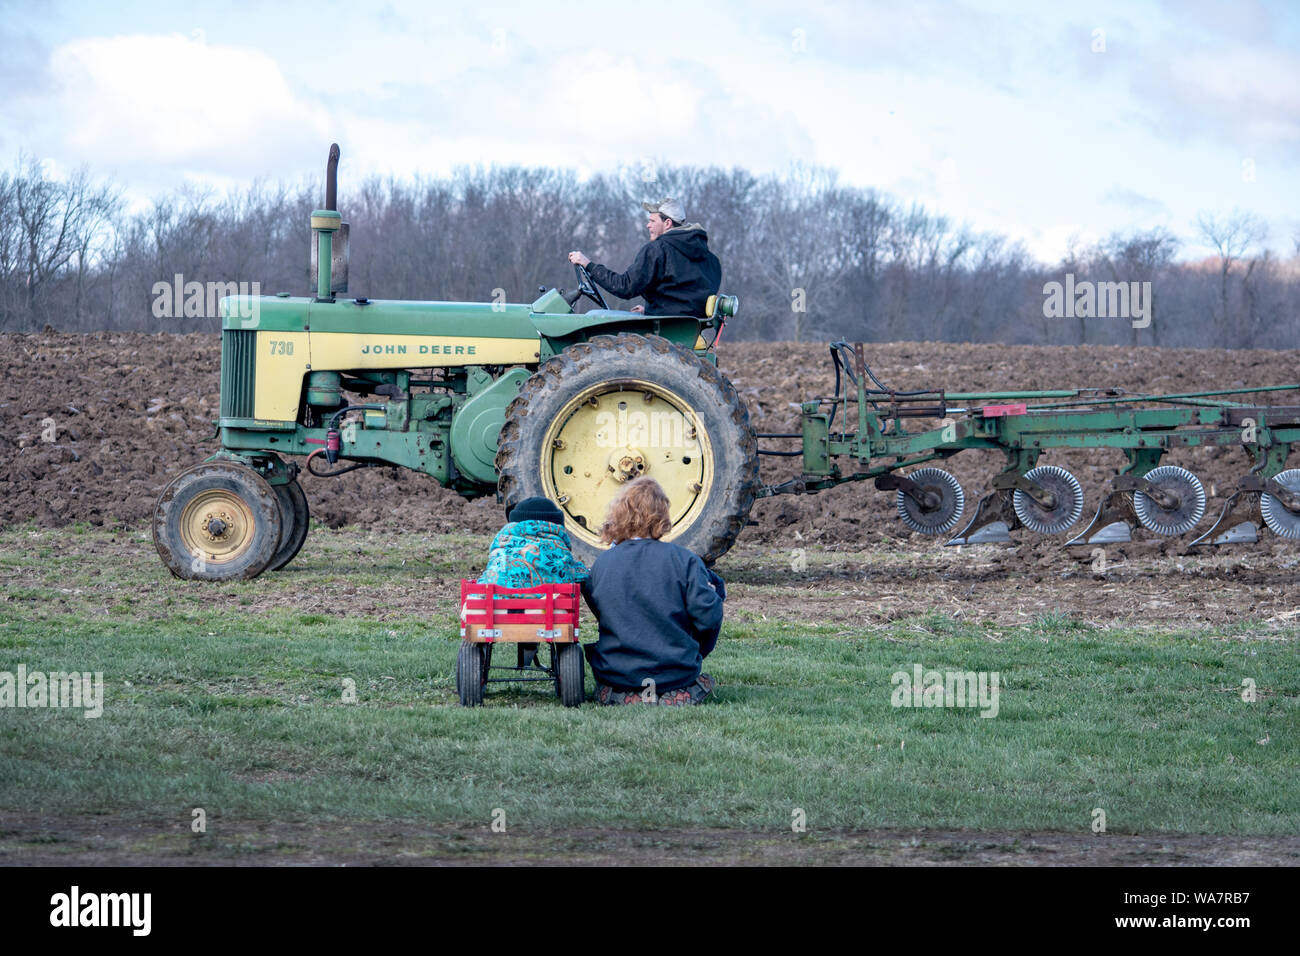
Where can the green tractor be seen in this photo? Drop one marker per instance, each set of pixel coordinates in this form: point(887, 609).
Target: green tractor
point(487, 398)
point(523, 400)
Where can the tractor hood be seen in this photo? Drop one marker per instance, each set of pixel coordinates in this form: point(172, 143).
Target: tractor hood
point(451, 320)
point(284, 313)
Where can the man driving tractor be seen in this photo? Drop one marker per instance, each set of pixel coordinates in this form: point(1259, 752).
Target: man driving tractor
point(674, 272)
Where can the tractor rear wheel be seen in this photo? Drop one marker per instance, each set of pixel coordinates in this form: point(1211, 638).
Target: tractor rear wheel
point(218, 521)
point(294, 515)
point(617, 407)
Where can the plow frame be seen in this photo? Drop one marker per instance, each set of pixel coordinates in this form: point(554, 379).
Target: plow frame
point(1022, 425)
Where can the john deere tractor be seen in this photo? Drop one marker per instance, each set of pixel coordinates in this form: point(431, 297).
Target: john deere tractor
point(522, 400)
point(501, 399)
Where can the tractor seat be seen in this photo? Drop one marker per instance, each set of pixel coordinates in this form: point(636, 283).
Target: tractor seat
point(721, 305)
point(725, 306)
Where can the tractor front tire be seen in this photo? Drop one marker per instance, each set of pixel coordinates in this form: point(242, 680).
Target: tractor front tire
point(618, 407)
point(218, 521)
point(294, 515)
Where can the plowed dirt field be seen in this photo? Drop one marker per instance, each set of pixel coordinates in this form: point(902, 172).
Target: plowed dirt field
point(130, 411)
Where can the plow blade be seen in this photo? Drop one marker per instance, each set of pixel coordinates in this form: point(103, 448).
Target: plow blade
point(994, 519)
point(1113, 523)
point(1245, 530)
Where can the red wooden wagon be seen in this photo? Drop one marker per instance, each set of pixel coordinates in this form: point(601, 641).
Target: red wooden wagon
point(528, 617)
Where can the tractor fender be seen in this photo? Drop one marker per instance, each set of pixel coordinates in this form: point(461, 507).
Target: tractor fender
point(559, 331)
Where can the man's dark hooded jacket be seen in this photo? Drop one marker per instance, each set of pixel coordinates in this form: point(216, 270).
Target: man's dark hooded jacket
point(675, 273)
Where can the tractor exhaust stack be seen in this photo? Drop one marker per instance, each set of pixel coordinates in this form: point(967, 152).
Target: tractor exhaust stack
point(329, 254)
point(332, 179)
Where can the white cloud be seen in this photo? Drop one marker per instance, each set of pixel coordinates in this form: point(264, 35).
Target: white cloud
point(1050, 244)
point(662, 106)
point(1001, 120)
point(1249, 95)
point(177, 100)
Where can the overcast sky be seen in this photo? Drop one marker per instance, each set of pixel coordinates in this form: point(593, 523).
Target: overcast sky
point(1000, 115)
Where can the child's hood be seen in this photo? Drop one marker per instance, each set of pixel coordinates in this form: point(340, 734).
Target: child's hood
point(537, 530)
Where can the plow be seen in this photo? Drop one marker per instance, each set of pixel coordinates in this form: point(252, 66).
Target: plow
point(1165, 499)
point(518, 400)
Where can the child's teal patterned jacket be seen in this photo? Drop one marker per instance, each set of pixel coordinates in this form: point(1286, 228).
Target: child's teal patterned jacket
point(532, 552)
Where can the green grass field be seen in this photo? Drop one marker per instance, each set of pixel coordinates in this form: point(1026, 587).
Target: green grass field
point(231, 698)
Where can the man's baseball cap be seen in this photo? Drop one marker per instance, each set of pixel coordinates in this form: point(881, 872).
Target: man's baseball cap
point(668, 208)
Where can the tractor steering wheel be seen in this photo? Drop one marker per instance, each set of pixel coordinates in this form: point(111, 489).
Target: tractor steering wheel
point(587, 287)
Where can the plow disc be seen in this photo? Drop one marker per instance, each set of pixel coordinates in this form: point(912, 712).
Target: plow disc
point(1280, 520)
point(945, 496)
point(1066, 505)
point(1176, 505)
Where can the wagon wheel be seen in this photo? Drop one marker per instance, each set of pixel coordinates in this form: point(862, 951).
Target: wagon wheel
point(218, 521)
point(294, 515)
point(620, 406)
point(471, 673)
point(571, 674)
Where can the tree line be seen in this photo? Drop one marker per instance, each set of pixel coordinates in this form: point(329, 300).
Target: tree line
point(810, 258)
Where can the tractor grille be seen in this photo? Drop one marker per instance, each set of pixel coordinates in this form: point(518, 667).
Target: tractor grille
point(238, 368)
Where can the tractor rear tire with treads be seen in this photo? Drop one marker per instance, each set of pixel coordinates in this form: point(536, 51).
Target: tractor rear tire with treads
point(603, 367)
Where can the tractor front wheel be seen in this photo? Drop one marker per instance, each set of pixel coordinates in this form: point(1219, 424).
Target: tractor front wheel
point(218, 521)
point(618, 407)
point(294, 515)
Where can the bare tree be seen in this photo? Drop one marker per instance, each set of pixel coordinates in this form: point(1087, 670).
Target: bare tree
point(57, 230)
point(1232, 237)
point(809, 257)
point(1140, 257)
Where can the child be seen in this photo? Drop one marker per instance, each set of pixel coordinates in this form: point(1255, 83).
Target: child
point(533, 548)
point(659, 609)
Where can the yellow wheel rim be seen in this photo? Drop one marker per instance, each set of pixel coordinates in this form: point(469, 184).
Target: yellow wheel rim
point(614, 432)
point(217, 526)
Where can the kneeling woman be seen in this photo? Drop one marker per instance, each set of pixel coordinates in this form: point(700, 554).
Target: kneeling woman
point(658, 607)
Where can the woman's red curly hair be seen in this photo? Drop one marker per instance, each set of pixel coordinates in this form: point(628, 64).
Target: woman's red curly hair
point(639, 510)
